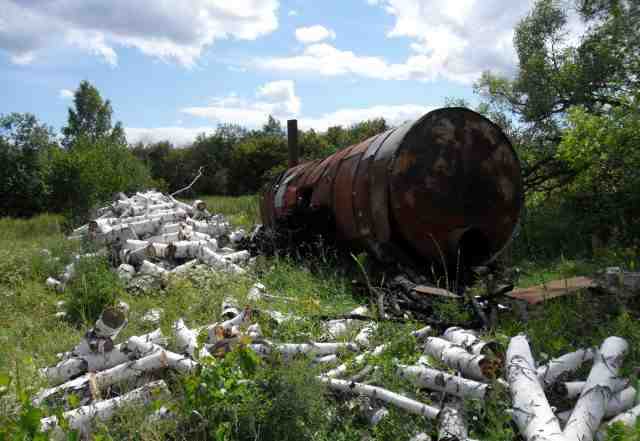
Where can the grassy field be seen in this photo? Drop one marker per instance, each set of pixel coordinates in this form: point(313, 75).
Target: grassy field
point(281, 401)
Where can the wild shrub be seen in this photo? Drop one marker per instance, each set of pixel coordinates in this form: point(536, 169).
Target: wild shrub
point(93, 287)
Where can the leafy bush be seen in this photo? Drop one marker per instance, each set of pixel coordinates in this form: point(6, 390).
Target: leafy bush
point(237, 398)
point(90, 174)
point(93, 287)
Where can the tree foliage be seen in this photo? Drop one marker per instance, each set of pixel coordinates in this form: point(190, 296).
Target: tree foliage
point(25, 145)
point(90, 119)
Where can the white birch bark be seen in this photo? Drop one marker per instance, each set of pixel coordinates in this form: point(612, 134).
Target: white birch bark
point(112, 320)
point(433, 379)
point(357, 360)
point(186, 339)
point(422, 333)
point(618, 403)
point(151, 269)
point(325, 359)
point(239, 257)
point(256, 292)
point(118, 374)
point(477, 367)
point(591, 405)
point(451, 423)
point(531, 410)
point(363, 337)
point(54, 285)
point(217, 262)
point(82, 360)
point(378, 393)
point(229, 308)
point(567, 363)
point(81, 419)
point(469, 340)
point(573, 389)
point(289, 350)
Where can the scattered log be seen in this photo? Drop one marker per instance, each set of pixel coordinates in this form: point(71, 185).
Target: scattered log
point(433, 379)
point(477, 367)
point(531, 411)
point(618, 403)
point(470, 341)
point(83, 385)
point(81, 419)
point(451, 423)
point(573, 389)
point(567, 363)
point(378, 393)
point(590, 408)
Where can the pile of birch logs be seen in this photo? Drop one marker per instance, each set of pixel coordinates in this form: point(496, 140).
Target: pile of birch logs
point(97, 370)
point(604, 398)
point(152, 235)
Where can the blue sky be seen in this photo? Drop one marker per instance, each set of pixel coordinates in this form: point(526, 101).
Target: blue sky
point(172, 69)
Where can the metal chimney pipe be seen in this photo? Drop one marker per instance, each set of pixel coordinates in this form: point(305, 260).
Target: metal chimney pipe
point(292, 140)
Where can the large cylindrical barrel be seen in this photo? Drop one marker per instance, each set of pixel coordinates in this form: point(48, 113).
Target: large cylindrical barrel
point(447, 186)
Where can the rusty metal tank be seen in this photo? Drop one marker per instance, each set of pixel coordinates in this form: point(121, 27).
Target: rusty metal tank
point(447, 186)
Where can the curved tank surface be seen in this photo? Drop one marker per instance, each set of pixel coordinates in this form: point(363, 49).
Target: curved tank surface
point(446, 186)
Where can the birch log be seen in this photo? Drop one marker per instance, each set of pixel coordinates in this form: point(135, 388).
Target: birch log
point(567, 363)
point(573, 389)
point(477, 367)
point(591, 405)
point(433, 379)
point(75, 364)
point(451, 423)
point(357, 360)
point(470, 341)
point(618, 403)
point(531, 410)
point(92, 383)
point(289, 350)
point(218, 262)
point(81, 419)
point(395, 399)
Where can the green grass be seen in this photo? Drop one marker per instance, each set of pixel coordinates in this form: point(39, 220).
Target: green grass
point(281, 401)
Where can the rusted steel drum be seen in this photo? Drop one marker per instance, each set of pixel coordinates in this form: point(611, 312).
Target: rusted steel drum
point(447, 186)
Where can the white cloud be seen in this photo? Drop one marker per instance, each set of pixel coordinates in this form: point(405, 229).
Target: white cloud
point(232, 112)
point(164, 29)
point(452, 40)
point(178, 136)
point(393, 114)
point(292, 13)
point(314, 34)
point(277, 98)
point(325, 59)
point(65, 94)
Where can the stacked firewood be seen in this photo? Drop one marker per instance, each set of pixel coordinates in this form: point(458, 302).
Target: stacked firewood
point(602, 399)
point(150, 236)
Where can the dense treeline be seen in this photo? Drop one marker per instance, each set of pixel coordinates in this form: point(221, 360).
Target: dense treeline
point(572, 111)
point(92, 159)
point(240, 161)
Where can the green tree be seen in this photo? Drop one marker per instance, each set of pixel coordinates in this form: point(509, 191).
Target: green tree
point(555, 74)
point(91, 118)
point(25, 145)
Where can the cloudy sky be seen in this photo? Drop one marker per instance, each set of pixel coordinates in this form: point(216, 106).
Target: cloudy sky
point(173, 69)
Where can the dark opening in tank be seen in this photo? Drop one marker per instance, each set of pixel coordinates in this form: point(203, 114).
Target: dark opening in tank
point(474, 248)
